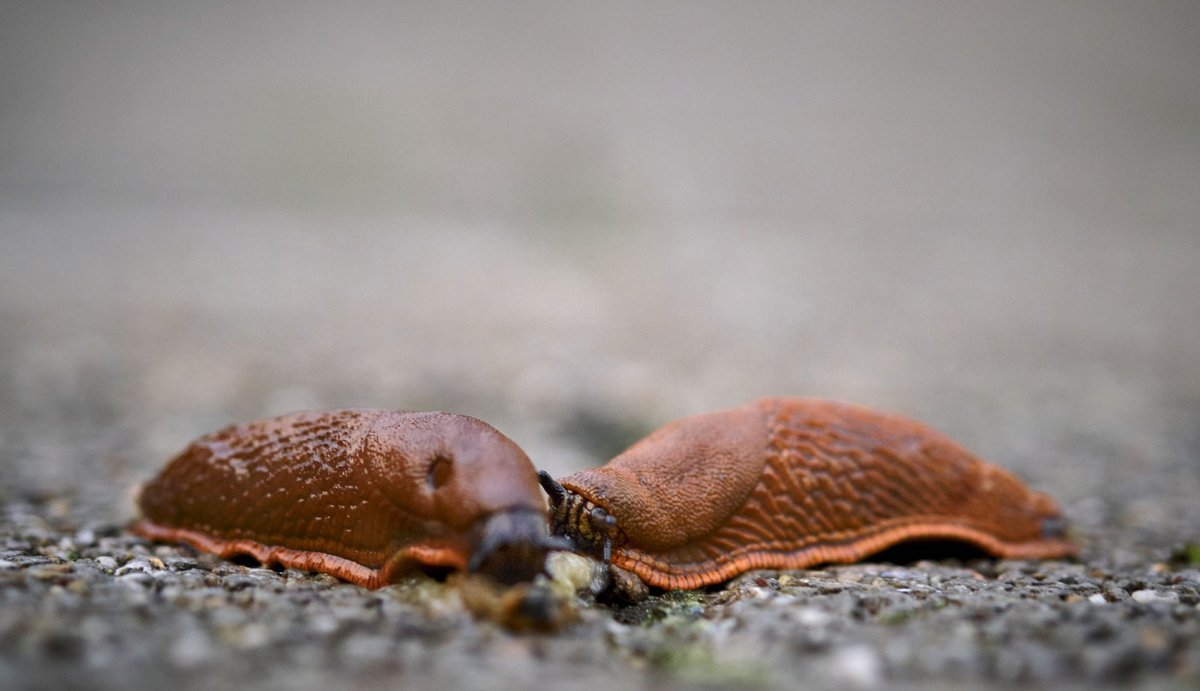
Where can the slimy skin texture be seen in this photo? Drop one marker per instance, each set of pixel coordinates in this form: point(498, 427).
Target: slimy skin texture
point(364, 495)
point(786, 483)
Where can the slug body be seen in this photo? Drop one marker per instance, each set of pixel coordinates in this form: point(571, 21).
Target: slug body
point(364, 495)
point(784, 483)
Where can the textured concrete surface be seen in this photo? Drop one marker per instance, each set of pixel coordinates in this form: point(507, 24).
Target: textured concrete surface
point(579, 224)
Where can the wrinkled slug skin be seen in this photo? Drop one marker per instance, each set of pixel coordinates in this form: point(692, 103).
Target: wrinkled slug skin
point(362, 494)
point(788, 483)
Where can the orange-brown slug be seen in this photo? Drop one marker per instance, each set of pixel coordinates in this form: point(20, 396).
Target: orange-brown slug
point(364, 495)
point(785, 483)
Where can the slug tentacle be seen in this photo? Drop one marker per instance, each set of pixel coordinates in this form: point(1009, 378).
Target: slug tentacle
point(585, 525)
point(554, 490)
point(788, 483)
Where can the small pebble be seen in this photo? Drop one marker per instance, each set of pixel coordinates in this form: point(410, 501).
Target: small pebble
point(323, 624)
point(1098, 599)
point(1153, 639)
point(135, 566)
point(106, 562)
point(51, 571)
point(1144, 596)
point(136, 578)
point(812, 617)
point(254, 636)
point(858, 665)
point(191, 649)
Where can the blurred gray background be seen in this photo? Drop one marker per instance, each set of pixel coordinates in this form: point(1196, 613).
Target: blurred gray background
point(579, 222)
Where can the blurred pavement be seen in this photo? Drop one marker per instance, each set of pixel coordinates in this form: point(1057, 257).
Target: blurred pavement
point(579, 223)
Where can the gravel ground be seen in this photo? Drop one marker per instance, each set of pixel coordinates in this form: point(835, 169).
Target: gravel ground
point(89, 606)
point(579, 223)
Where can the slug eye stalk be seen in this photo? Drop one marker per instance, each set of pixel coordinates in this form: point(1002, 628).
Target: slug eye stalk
point(586, 526)
point(555, 491)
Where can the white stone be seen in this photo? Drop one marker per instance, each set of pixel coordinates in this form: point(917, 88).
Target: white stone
point(859, 665)
point(812, 617)
point(135, 566)
point(1144, 596)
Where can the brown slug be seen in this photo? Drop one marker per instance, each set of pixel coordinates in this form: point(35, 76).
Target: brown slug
point(364, 495)
point(786, 483)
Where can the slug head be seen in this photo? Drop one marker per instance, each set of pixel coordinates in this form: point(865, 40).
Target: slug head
point(586, 527)
point(466, 480)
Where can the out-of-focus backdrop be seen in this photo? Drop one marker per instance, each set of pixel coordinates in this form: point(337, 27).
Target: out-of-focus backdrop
point(579, 222)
